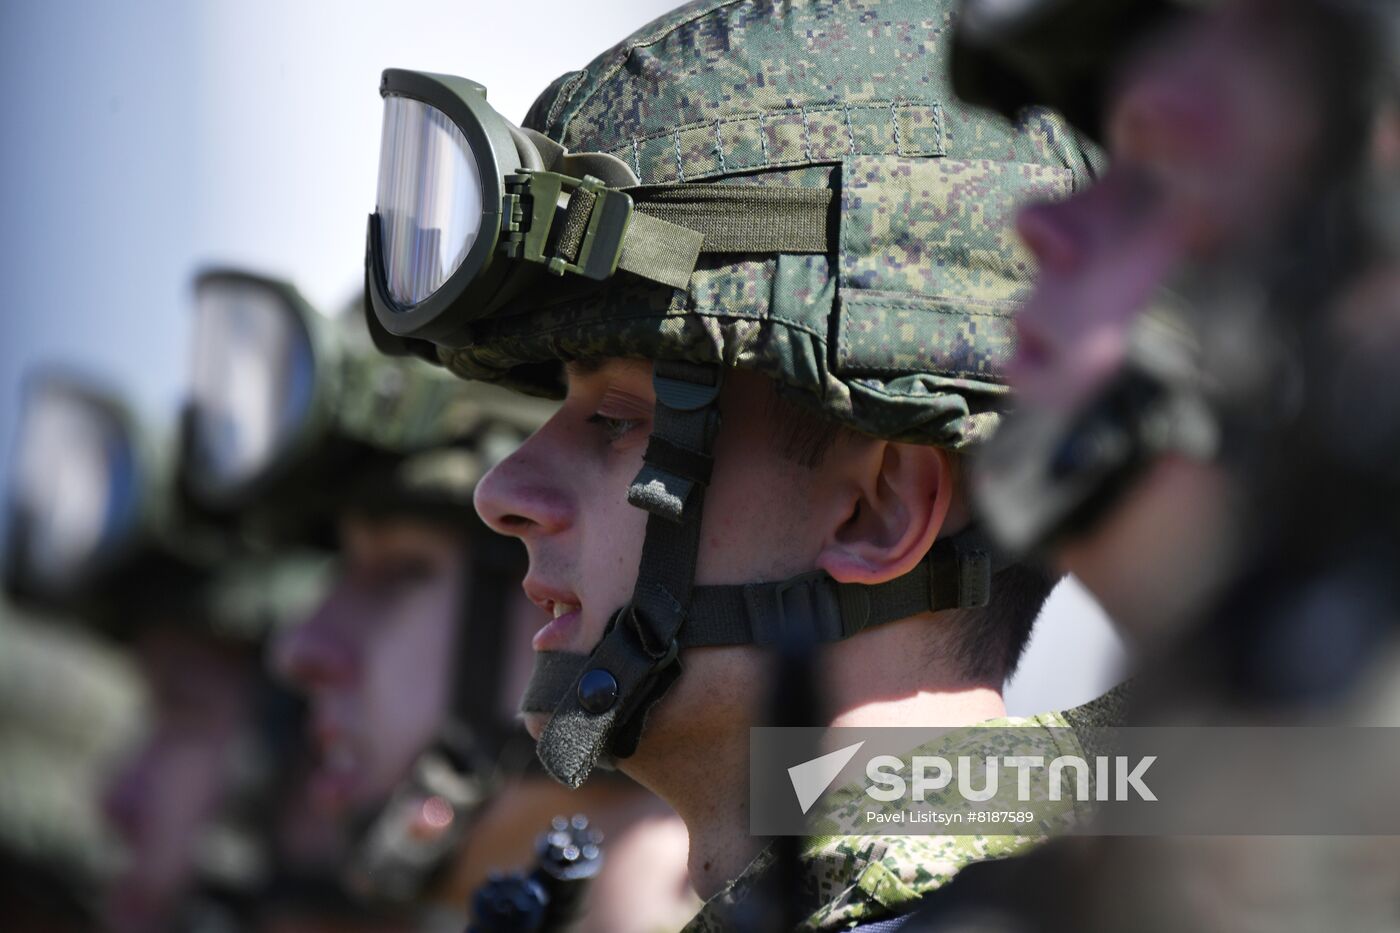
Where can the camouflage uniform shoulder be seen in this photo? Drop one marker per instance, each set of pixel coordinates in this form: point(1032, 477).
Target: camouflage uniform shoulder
point(851, 879)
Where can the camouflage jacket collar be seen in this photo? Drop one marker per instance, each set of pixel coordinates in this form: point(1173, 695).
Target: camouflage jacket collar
point(861, 879)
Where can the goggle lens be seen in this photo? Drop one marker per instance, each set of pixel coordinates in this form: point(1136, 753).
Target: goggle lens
point(429, 199)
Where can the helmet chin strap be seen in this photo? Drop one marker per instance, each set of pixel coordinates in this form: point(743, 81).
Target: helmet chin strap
point(600, 700)
point(635, 662)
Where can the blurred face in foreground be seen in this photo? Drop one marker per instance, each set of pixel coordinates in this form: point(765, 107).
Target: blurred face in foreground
point(1210, 138)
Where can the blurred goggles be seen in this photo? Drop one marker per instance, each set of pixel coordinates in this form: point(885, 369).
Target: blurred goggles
point(75, 495)
point(471, 209)
point(252, 383)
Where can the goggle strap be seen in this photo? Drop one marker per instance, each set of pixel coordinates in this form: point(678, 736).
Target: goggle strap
point(672, 225)
point(743, 218)
point(660, 251)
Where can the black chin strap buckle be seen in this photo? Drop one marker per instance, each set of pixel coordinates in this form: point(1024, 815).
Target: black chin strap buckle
point(804, 608)
point(662, 651)
point(960, 573)
point(673, 650)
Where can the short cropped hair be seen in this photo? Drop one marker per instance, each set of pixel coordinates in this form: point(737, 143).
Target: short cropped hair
point(986, 644)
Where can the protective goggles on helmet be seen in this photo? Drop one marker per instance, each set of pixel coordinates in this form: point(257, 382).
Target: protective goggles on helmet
point(75, 502)
point(287, 408)
point(472, 209)
point(252, 384)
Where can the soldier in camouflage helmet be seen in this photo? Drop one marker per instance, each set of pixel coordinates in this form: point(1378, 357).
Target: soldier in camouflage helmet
point(841, 303)
point(1157, 335)
point(1254, 161)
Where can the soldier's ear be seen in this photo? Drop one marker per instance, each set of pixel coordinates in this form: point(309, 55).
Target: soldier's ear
point(899, 505)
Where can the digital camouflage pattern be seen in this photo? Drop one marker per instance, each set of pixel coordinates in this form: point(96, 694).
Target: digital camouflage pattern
point(446, 434)
point(395, 404)
point(902, 331)
point(861, 878)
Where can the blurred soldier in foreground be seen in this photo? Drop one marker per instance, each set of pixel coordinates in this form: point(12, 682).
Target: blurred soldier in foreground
point(95, 534)
point(1209, 356)
point(68, 706)
point(1196, 313)
point(777, 317)
point(413, 663)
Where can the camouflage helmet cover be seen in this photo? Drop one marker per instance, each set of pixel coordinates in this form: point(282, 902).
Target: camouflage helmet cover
point(439, 436)
point(903, 329)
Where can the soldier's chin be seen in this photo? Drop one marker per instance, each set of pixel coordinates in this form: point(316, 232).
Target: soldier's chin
point(535, 723)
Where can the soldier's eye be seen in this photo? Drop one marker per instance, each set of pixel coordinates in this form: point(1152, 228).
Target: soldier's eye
point(615, 429)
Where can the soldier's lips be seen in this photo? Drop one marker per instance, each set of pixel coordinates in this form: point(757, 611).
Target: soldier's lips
point(335, 778)
point(559, 632)
point(332, 791)
point(563, 607)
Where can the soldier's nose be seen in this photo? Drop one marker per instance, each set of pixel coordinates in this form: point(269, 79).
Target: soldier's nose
point(518, 500)
point(311, 656)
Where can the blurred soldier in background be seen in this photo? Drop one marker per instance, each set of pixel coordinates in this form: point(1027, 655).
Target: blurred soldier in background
point(1208, 358)
point(95, 534)
point(415, 661)
point(707, 149)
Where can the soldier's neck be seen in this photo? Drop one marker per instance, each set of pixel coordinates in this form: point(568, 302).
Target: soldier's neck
point(885, 677)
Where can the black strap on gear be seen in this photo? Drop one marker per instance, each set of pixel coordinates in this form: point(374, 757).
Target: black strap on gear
point(956, 574)
point(635, 662)
point(743, 218)
point(670, 226)
point(555, 673)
